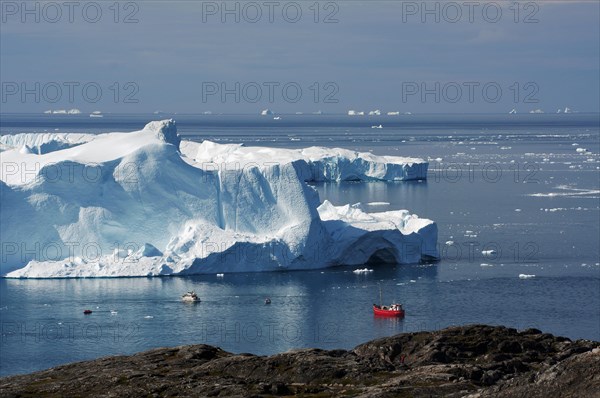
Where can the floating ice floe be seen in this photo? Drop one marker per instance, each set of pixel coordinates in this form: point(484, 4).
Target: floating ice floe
point(147, 203)
point(378, 203)
point(567, 191)
point(362, 271)
point(526, 276)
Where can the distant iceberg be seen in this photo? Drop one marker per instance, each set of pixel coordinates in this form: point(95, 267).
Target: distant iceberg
point(147, 203)
point(356, 113)
point(266, 112)
point(394, 113)
point(376, 112)
point(73, 111)
point(536, 111)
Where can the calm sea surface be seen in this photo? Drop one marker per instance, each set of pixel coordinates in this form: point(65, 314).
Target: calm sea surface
point(510, 183)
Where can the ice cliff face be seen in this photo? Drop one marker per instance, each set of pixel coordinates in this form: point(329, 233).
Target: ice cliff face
point(312, 164)
point(133, 204)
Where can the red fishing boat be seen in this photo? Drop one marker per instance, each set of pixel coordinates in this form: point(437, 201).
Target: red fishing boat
point(393, 310)
point(87, 312)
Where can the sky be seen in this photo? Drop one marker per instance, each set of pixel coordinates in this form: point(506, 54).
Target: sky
point(300, 56)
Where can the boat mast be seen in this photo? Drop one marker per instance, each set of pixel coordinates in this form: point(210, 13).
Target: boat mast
point(380, 299)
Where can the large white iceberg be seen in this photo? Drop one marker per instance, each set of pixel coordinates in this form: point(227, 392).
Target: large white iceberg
point(146, 203)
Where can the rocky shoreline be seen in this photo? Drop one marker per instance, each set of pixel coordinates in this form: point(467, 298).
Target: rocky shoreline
point(473, 361)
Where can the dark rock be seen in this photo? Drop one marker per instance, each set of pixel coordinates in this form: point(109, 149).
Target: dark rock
point(482, 360)
point(279, 389)
point(510, 347)
point(531, 331)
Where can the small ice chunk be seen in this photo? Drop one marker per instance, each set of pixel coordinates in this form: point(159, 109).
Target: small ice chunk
point(378, 203)
point(526, 276)
point(362, 271)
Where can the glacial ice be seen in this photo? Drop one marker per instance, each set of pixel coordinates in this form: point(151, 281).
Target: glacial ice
point(312, 164)
point(45, 142)
point(147, 203)
point(526, 276)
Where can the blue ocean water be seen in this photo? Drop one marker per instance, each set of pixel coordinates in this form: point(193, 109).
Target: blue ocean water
point(514, 184)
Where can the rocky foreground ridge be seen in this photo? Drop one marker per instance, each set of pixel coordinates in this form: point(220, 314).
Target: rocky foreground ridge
point(473, 361)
